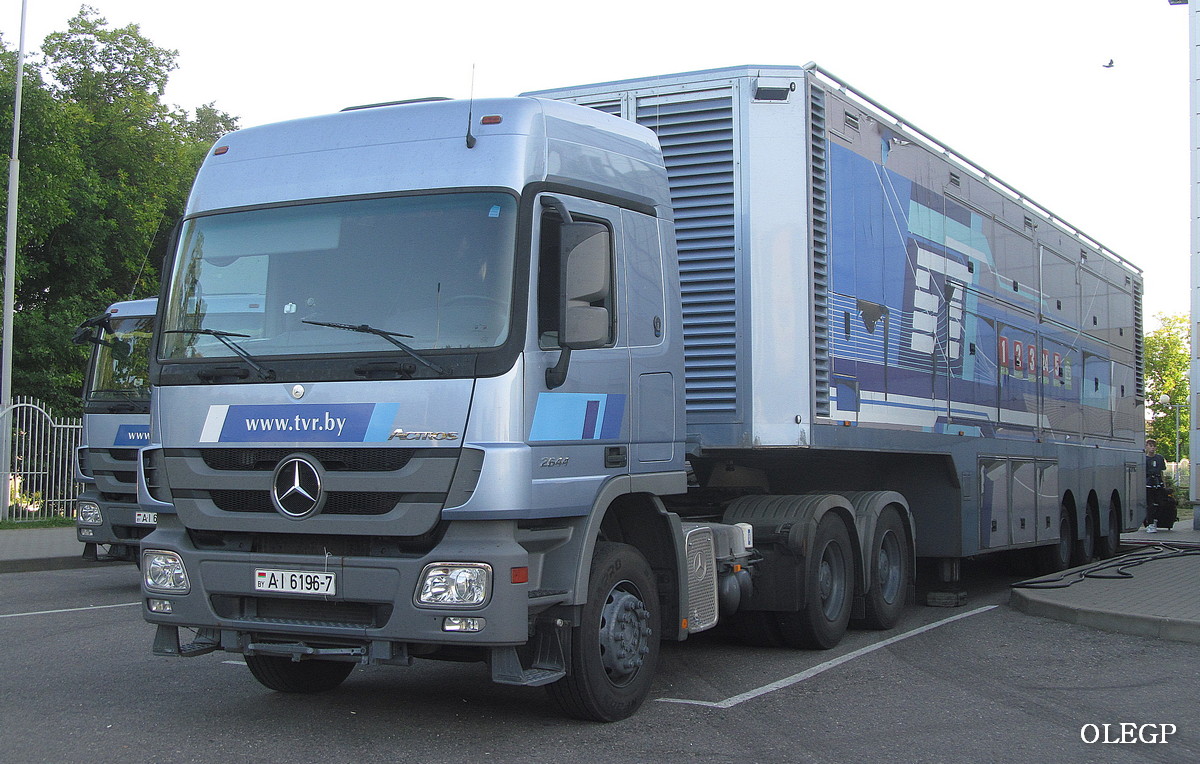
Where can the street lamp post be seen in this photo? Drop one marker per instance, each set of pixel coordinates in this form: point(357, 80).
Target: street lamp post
point(10, 277)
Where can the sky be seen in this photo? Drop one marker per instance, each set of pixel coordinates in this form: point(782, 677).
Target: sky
point(1019, 86)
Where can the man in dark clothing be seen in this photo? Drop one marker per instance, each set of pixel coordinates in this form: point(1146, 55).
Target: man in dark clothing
point(1160, 506)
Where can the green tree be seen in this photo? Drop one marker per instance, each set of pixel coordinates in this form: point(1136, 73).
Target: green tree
point(1167, 362)
point(105, 168)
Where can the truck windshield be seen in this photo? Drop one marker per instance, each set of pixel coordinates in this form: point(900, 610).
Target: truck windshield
point(120, 361)
point(436, 268)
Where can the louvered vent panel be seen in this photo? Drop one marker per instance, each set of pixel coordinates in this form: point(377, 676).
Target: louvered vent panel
point(697, 142)
point(1139, 366)
point(818, 161)
point(612, 107)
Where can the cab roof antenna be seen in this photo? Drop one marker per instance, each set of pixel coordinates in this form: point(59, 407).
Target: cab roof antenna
point(471, 110)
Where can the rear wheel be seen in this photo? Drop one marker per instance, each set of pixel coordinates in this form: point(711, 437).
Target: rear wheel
point(1057, 556)
point(1111, 543)
point(285, 675)
point(891, 570)
point(614, 648)
point(828, 590)
point(1085, 548)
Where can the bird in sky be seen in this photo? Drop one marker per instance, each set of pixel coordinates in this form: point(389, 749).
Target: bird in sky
point(1109, 65)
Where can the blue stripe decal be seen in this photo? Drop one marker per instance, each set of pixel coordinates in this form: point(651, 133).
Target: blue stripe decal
point(312, 423)
point(589, 420)
point(383, 422)
point(132, 435)
point(614, 412)
point(578, 416)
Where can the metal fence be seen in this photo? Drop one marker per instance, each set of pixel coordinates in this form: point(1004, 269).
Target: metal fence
point(42, 482)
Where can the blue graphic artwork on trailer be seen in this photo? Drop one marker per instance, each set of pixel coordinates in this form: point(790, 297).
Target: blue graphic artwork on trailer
point(921, 322)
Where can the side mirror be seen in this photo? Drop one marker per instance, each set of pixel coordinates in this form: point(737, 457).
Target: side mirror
point(85, 333)
point(586, 284)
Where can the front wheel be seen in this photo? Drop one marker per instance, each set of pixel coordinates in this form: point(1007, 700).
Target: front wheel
point(614, 647)
point(285, 675)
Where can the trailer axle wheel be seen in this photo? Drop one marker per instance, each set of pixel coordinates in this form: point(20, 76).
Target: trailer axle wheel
point(891, 570)
point(828, 590)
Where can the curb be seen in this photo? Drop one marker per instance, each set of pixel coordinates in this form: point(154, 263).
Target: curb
point(1156, 627)
point(44, 563)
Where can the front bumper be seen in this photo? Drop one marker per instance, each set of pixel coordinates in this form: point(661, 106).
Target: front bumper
point(123, 523)
point(373, 605)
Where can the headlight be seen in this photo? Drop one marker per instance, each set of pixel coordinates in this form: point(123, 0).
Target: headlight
point(89, 513)
point(455, 584)
point(164, 572)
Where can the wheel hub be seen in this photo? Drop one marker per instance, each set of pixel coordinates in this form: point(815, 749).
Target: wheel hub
point(888, 565)
point(624, 634)
point(831, 584)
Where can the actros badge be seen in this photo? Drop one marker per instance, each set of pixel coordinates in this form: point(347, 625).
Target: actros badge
point(296, 487)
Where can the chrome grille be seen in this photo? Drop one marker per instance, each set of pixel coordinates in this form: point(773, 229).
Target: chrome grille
point(332, 459)
point(339, 503)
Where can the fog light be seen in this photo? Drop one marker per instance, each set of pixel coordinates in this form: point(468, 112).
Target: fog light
point(87, 532)
point(90, 514)
point(159, 606)
point(455, 584)
point(454, 623)
point(164, 572)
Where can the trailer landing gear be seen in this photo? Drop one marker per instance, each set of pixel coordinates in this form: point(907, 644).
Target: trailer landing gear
point(948, 591)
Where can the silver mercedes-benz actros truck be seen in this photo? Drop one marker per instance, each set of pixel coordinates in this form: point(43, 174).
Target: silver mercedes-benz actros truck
point(542, 384)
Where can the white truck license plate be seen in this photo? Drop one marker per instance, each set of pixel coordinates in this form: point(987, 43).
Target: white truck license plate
point(295, 581)
point(145, 518)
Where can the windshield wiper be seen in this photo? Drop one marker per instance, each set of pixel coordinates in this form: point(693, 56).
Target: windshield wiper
point(389, 336)
point(121, 391)
point(238, 350)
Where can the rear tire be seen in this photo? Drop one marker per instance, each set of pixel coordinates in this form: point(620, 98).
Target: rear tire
point(614, 648)
point(1111, 544)
point(891, 570)
point(285, 675)
point(1057, 557)
point(1085, 548)
point(828, 590)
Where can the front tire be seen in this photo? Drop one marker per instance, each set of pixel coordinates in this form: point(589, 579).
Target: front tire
point(308, 676)
point(614, 648)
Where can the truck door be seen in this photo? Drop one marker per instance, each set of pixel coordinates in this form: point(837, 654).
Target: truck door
point(578, 424)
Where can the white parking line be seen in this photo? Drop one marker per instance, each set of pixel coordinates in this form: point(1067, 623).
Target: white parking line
point(69, 610)
point(809, 673)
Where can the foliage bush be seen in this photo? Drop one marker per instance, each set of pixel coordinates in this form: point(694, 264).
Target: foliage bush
point(105, 170)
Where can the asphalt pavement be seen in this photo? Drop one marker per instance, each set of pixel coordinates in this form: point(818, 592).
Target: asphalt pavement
point(1152, 588)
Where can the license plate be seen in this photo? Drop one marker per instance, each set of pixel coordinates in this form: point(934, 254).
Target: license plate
point(145, 518)
point(295, 581)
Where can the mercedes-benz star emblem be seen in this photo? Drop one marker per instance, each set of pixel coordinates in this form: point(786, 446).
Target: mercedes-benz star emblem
point(296, 487)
